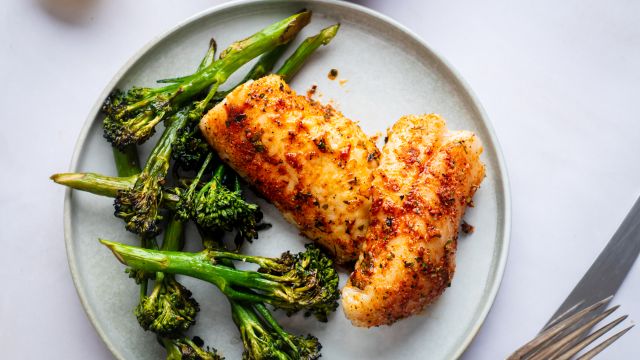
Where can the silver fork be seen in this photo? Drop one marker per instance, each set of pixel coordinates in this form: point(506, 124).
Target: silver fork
point(564, 338)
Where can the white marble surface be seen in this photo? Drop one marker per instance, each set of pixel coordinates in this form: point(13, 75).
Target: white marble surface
point(559, 80)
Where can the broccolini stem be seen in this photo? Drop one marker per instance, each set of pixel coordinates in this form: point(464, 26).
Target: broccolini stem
point(291, 66)
point(266, 63)
point(210, 56)
point(107, 186)
point(173, 235)
point(172, 240)
point(259, 339)
point(95, 183)
point(263, 262)
point(140, 206)
point(240, 53)
point(286, 29)
point(196, 180)
point(271, 321)
point(202, 105)
point(262, 67)
point(208, 59)
point(157, 165)
point(197, 265)
point(218, 175)
point(302, 53)
point(127, 162)
point(158, 162)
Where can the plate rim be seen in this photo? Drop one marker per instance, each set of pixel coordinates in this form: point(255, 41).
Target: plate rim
point(491, 293)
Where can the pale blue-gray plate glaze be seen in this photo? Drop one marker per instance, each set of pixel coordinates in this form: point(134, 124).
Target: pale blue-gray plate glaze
point(389, 72)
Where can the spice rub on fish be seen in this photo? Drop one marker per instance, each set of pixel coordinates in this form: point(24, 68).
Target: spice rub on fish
point(426, 179)
point(311, 162)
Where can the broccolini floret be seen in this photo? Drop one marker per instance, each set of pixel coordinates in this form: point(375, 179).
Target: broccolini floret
point(186, 349)
point(169, 309)
point(190, 148)
point(213, 206)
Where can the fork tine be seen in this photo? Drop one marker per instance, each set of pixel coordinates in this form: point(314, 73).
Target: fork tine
point(596, 350)
point(550, 351)
point(562, 316)
point(591, 338)
point(555, 330)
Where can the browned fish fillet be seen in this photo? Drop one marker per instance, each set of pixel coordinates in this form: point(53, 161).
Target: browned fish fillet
point(310, 161)
point(426, 179)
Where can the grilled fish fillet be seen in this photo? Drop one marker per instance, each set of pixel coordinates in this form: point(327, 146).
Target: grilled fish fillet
point(312, 163)
point(426, 179)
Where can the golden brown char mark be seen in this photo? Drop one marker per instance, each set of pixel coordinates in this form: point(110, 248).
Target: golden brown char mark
point(426, 179)
point(310, 161)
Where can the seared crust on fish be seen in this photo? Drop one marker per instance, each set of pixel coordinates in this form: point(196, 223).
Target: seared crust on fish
point(312, 163)
point(426, 179)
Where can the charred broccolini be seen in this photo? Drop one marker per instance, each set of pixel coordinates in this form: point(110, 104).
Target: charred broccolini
point(139, 205)
point(207, 203)
point(262, 336)
point(131, 117)
point(213, 206)
point(306, 281)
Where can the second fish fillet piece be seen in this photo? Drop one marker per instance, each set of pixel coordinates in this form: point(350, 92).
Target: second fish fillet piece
point(426, 179)
point(310, 161)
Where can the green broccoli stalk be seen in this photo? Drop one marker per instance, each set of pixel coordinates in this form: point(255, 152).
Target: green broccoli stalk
point(263, 341)
point(127, 161)
point(213, 206)
point(300, 347)
point(304, 50)
point(258, 341)
point(265, 64)
point(169, 310)
point(109, 186)
point(208, 59)
point(186, 349)
point(306, 281)
point(96, 183)
point(262, 67)
point(131, 117)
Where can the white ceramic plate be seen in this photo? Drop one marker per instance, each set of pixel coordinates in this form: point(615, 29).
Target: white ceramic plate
point(390, 72)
